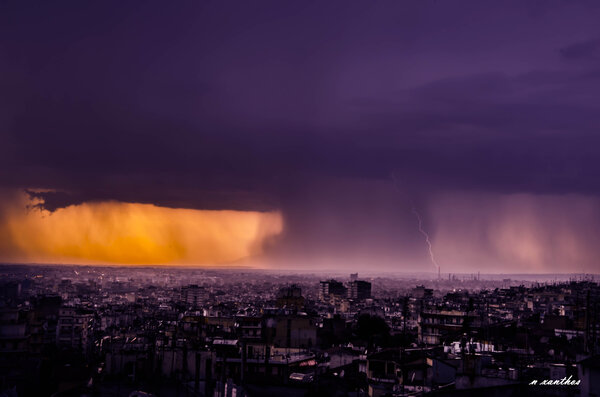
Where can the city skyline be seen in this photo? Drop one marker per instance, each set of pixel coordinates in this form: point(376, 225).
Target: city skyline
point(163, 331)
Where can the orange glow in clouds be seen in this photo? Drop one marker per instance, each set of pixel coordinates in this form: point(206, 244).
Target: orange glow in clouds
point(129, 233)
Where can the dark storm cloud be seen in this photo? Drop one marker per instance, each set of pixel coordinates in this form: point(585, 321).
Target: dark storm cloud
point(304, 107)
point(586, 50)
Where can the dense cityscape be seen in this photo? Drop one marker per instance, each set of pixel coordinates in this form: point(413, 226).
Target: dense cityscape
point(91, 331)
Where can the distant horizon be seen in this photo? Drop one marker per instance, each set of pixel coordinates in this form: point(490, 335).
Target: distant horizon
point(295, 271)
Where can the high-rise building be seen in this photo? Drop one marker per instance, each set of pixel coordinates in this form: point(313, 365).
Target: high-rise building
point(290, 297)
point(193, 295)
point(74, 328)
point(359, 290)
point(330, 288)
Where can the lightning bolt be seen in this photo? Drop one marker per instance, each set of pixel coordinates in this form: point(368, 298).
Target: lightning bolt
point(421, 229)
point(427, 240)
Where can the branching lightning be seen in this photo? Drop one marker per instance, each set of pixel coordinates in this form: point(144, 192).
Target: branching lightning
point(421, 229)
point(424, 233)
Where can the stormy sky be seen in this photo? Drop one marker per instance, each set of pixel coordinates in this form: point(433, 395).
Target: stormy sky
point(329, 121)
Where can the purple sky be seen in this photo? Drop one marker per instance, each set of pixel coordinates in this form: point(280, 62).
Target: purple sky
point(486, 112)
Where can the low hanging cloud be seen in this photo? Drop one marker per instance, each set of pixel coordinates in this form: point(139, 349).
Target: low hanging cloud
point(129, 233)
